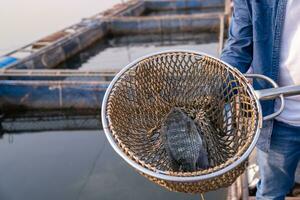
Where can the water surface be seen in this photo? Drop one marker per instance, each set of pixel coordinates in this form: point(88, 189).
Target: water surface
point(112, 54)
point(70, 165)
point(76, 164)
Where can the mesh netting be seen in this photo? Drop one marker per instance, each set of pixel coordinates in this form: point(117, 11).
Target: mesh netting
point(40, 105)
point(42, 120)
point(202, 87)
point(44, 94)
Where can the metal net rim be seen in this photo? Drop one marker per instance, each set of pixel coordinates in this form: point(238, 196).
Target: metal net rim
point(139, 165)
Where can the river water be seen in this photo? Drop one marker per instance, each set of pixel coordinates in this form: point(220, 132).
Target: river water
point(71, 165)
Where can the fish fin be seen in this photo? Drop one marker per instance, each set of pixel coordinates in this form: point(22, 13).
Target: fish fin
point(174, 164)
point(190, 167)
point(194, 166)
point(202, 161)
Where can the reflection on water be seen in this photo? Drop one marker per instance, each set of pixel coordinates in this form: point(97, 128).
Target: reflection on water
point(73, 165)
point(115, 53)
point(114, 58)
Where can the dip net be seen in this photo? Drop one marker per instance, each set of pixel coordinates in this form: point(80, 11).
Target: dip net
point(142, 95)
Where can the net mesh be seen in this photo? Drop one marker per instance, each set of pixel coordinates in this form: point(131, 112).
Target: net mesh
point(43, 120)
point(202, 87)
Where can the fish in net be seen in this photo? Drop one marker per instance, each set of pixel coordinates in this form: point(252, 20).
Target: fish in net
point(183, 142)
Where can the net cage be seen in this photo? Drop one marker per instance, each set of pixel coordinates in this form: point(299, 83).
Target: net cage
point(52, 94)
point(73, 103)
point(143, 93)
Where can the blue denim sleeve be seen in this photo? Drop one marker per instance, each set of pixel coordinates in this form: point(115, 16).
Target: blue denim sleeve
point(238, 50)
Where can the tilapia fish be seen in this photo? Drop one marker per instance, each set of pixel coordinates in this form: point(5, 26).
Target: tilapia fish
point(183, 143)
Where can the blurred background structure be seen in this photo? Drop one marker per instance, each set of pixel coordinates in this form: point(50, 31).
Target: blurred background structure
point(52, 144)
point(67, 72)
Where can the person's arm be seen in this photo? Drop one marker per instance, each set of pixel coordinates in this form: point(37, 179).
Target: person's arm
point(238, 50)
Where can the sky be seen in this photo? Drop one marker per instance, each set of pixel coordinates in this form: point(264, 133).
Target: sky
point(23, 22)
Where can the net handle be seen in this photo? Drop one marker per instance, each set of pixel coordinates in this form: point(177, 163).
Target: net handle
point(260, 94)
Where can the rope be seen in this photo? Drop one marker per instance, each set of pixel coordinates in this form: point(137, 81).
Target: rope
point(202, 196)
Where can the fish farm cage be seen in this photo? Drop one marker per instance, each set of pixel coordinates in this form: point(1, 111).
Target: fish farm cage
point(39, 82)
